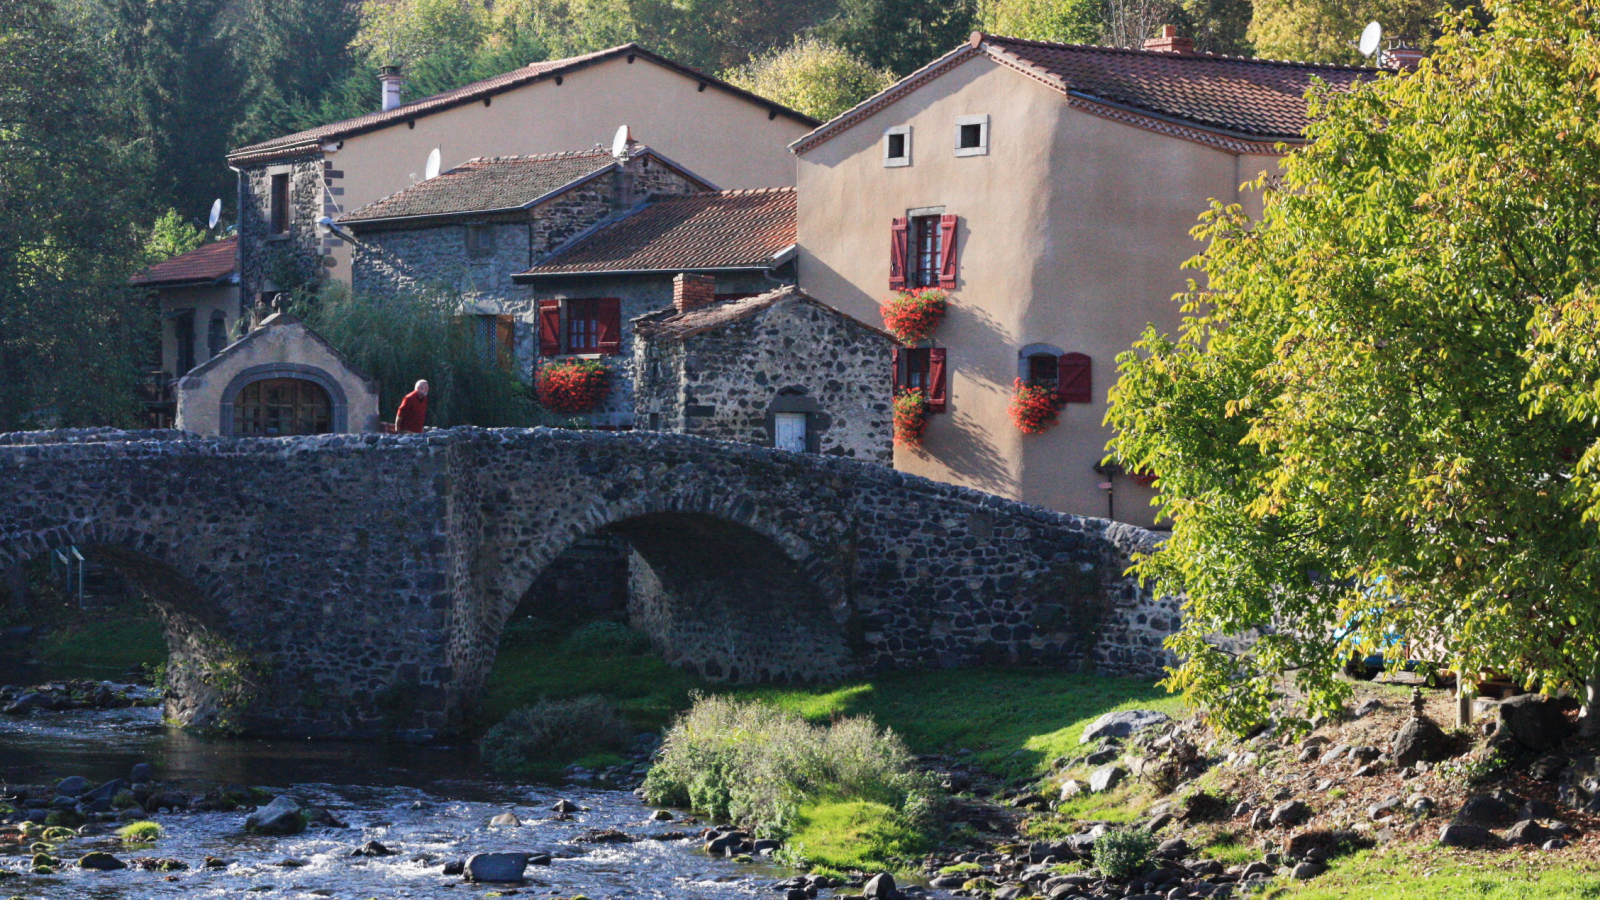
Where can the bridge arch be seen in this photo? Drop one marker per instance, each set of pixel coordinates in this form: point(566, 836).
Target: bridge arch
point(210, 680)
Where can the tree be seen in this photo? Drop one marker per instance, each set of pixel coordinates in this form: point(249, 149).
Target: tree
point(818, 79)
point(292, 54)
point(1380, 411)
point(1069, 21)
point(900, 35)
point(401, 32)
point(1327, 30)
point(72, 334)
point(172, 235)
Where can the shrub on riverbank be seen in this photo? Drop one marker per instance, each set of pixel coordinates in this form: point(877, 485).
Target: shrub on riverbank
point(140, 832)
point(758, 765)
point(551, 732)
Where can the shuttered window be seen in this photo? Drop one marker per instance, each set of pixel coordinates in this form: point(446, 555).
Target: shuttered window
point(898, 229)
point(549, 328)
point(593, 325)
point(925, 247)
point(922, 368)
point(922, 252)
point(1073, 384)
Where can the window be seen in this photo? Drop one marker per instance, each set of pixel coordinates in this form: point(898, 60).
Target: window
point(1068, 374)
point(280, 203)
point(897, 146)
point(923, 369)
point(282, 406)
point(183, 335)
point(789, 431)
point(924, 251)
point(480, 241)
point(586, 325)
point(217, 333)
point(1042, 370)
point(496, 339)
point(972, 135)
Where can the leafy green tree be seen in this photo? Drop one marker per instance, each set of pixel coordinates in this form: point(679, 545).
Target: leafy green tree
point(818, 79)
point(401, 32)
point(292, 54)
point(1216, 26)
point(72, 334)
point(1070, 21)
point(172, 235)
point(1380, 411)
point(900, 35)
point(1327, 30)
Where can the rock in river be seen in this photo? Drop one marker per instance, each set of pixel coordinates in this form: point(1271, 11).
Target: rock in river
point(496, 867)
point(281, 816)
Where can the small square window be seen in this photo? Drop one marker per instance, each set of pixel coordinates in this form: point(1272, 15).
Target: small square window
point(972, 135)
point(897, 146)
point(480, 241)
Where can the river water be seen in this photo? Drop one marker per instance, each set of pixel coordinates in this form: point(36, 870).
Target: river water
point(428, 804)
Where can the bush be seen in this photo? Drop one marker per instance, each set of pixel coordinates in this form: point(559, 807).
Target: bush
point(815, 77)
point(1124, 852)
point(551, 732)
point(757, 765)
point(140, 832)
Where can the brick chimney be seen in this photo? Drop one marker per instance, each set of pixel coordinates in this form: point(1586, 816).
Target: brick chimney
point(1402, 55)
point(691, 291)
point(393, 83)
point(1169, 42)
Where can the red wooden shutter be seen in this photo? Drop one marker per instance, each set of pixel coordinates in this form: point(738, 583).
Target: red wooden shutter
point(947, 252)
point(936, 389)
point(1072, 379)
point(610, 315)
point(899, 229)
point(549, 327)
point(894, 378)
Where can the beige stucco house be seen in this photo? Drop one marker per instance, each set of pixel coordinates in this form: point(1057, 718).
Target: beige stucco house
point(197, 294)
point(727, 136)
point(1050, 189)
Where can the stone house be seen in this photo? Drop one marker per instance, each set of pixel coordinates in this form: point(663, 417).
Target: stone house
point(778, 369)
point(469, 230)
point(290, 184)
point(1050, 190)
point(197, 294)
point(588, 295)
point(280, 379)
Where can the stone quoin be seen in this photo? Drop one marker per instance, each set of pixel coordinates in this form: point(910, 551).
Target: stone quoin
point(356, 584)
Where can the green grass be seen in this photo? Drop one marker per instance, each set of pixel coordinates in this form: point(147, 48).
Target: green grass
point(97, 647)
point(837, 836)
point(1424, 874)
point(140, 832)
point(1227, 849)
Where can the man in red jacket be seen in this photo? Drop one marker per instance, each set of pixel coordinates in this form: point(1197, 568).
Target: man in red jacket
point(413, 410)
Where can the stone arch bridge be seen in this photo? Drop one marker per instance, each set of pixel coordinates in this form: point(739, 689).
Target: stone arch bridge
point(354, 585)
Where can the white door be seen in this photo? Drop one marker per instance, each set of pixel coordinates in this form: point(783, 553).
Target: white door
point(791, 431)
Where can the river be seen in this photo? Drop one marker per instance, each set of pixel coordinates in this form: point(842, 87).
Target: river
point(428, 804)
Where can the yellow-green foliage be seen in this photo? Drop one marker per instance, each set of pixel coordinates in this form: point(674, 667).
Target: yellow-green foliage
point(1442, 875)
point(817, 78)
point(855, 835)
point(140, 832)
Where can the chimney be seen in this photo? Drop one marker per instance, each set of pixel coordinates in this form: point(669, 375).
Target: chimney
point(691, 291)
point(1169, 42)
point(1402, 55)
point(393, 82)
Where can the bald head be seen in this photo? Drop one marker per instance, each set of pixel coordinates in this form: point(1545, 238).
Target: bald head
point(422, 387)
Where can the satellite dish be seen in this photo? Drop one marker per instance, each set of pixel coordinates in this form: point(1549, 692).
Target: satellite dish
point(216, 213)
point(1370, 38)
point(432, 171)
point(619, 144)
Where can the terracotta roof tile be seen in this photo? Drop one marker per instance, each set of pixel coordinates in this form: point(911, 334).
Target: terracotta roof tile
point(484, 184)
point(208, 264)
point(679, 325)
point(714, 230)
point(1247, 100)
point(302, 141)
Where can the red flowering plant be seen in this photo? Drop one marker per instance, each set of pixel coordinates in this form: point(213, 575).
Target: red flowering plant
point(910, 417)
point(1033, 407)
point(914, 315)
point(572, 386)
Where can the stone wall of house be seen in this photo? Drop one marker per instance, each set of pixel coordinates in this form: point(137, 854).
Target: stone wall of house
point(794, 356)
point(269, 262)
point(640, 296)
point(348, 585)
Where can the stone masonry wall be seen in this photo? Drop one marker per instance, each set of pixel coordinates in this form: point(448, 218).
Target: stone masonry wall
point(349, 585)
point(270, 262)
point(794, 356)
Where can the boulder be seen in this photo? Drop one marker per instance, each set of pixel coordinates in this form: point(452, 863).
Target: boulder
point(1485, 810)
point(1122, 724)
point(505, 820)
point(1534, 722)
point(167, 800)
point(500, 868)
point(1538, 809)
point(73, 786)
point(1106, 777)
point(1290, 813)
point(564, 807)
point(1528, 831)
point(142, 772)
point(1419, 740)
point(372, 848)
point(1580, 784)
point(107, 791)
point(101, 862)
point(1072, 787)
point(281, 816)
point(1470, 837)
point(880, 887)
point(1307, 871)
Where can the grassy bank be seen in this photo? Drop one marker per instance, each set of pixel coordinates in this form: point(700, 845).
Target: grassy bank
point(1431, 874)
